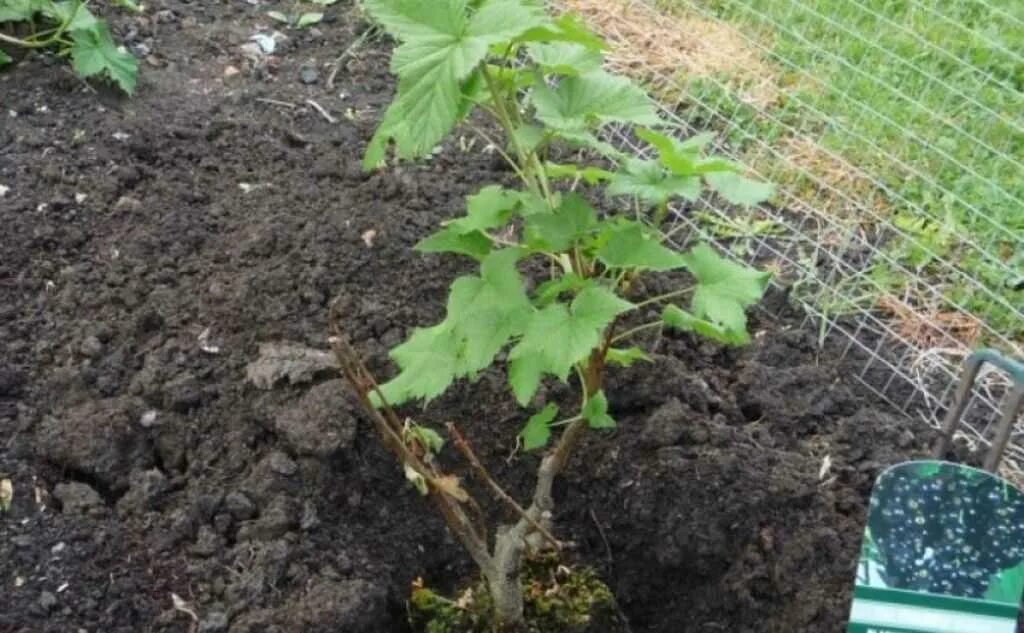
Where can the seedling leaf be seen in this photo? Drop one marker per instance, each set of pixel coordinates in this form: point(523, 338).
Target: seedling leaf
point(442, 45)
point(566, 28)
point(491, 207)
point(680, 319)
point(724, 289)
point(566, 58)
point(80, 16)
point(558, 231)
point(93, 52)
point(595, 412)
point(280, 17)
point(630, 245)
point(649, 182)
point(559, 336)
point(524, 374)
point(738, 189)
point(536, 433)
point(580, 103)
point(308, 19)
point(449, 240)
point(5, 58)
point(428, 438)
point(626, 357)
point(590, 175)
point(429, 364)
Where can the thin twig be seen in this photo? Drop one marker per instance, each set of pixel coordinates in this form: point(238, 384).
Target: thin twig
point(283, 104)
point(319, 108)
point(467, 452)
point(348, 51)
point(604, 539)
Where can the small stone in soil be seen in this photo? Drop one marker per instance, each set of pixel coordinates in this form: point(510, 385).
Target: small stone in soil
point(47, 601)
point(215, 622)
point(282, 464)
point(309, 74)
point(77, 498)
point(207, 542)
point(240, 506)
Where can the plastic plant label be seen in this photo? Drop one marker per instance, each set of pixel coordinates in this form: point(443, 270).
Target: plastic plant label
point(943, 552)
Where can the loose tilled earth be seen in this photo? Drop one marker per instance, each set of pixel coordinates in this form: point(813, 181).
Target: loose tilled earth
point(150, 246)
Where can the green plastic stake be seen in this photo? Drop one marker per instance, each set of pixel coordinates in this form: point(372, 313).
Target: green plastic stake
point(1013, 403)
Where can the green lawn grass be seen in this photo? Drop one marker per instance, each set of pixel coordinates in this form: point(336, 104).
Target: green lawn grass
point(927, 97)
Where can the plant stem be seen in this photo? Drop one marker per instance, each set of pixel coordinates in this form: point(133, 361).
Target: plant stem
point(637, 330)
point(664, 297)
point(508, 159)
point(660, 214)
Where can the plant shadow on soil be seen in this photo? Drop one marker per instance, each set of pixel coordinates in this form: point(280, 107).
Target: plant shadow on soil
point(151, 245)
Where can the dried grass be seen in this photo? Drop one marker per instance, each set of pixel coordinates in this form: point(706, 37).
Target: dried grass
point(666, 50)
point(931, 328)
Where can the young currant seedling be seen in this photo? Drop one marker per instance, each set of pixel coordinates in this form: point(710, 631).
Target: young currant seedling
point(73, 31)
point(541, 80)
point(298, 18)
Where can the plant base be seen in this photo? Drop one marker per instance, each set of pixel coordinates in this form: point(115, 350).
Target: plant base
point(557, 599)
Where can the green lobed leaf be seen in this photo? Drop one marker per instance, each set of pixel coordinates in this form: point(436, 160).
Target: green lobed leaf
point(442, 44)
point(491, 207)
point(679, 158)
point(675, 317)
point(537, 431)
point(528, 137)
point(80, 17)
point(483, 314)
point(590, 175)
point(626, 357)
point(559, 231)
point(449, 240)
point(630, 245)
point(550, 290)
point(21, 10)
point(429, 364)
point(559, 336)
point(93, 52)
point(5, 58)
point(524, 375)
point(583, 102)
point(738, 189)
point(566, 58)
point(651, 183)
point(565, 28)
point(595, 412)
point(724, 289)
point(487, 311)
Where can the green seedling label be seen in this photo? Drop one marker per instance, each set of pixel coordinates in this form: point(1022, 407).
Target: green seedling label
point(943, 552)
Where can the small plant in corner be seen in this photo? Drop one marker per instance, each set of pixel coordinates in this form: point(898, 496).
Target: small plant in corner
point(541, 81)
point(70, 29)
point(298, 18)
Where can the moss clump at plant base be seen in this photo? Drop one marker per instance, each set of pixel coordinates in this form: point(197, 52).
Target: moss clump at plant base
point(558, 599)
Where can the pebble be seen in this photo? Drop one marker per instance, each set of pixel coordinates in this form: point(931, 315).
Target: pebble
point(240, 506)
point(91, 347)
point(47, 601)
point(215, 622)
point(282, 464)
point(309, 75)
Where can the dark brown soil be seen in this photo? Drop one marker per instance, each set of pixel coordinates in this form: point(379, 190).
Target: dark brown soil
point(144, 465)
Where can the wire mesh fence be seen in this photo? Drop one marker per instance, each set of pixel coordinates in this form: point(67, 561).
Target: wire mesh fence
point(895, 135)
